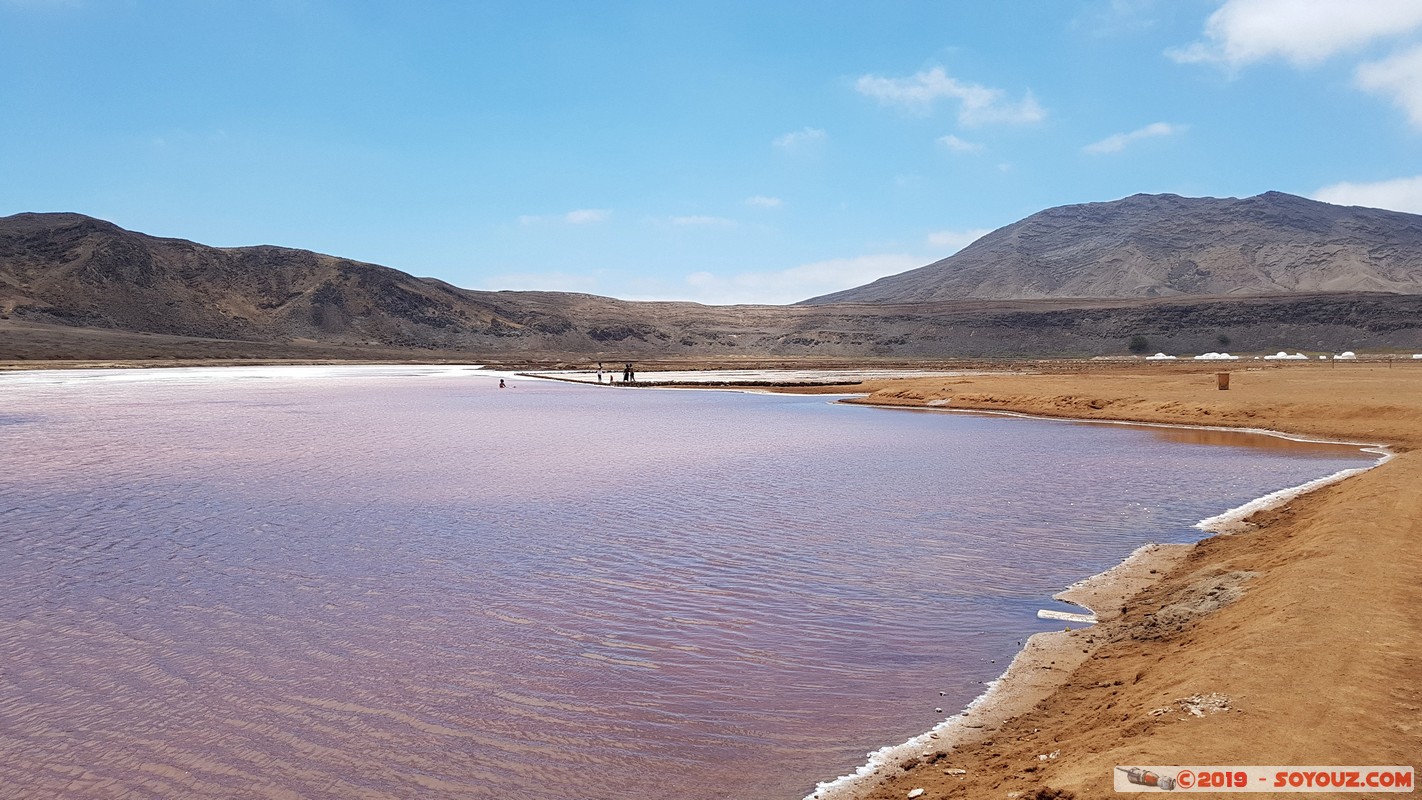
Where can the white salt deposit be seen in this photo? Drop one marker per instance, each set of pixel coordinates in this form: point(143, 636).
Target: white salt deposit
point(1066, 616)
point(207, 375)
point(1161, 357)
point(1217, 357)
point(1231, 519)
point(1283, 356)
point(848, 786)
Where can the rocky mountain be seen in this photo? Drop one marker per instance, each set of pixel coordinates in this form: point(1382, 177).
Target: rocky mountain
point(1169, 246)
point(74, 287)
point(72, 269)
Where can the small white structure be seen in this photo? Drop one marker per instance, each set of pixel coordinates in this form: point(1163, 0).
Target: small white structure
point(1282, 356)
point(1346, 355)
point(1160, 357)
point(1417, 355)
point(1217, 357)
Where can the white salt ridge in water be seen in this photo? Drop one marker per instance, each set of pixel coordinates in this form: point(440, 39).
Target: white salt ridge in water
point(366, 582)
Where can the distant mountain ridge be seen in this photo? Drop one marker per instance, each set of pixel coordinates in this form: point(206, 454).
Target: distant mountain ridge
point(75, 287)
point(1164, 245)
point(76, 270)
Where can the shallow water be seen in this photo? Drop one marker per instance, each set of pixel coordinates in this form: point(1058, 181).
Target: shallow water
point(390, 583)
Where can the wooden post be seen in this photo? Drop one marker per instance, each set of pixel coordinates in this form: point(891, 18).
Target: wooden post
point(1223, 378)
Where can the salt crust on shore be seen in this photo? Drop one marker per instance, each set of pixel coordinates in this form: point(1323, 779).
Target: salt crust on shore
point(1022, 685)
point(191, 375)
point(1231, 520)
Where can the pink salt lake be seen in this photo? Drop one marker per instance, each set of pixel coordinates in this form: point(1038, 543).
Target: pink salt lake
point(405, 582)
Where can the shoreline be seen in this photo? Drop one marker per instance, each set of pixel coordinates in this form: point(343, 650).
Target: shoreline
point(1022, 685)
point(1228, 521)
point(1065, 733)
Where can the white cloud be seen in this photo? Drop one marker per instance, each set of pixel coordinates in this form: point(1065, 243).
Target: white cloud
point(978, 104)
point(1118, 142)
point(801, 141)
point(958, 145)
point(703, 221)
point(791, 285)
point(760, 201)
point(1300, 31)
point(1400, 194)
point(1398, 77)
point(584, 216)
point(953, 241)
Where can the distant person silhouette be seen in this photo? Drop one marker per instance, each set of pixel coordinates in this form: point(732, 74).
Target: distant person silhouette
point(501, 384)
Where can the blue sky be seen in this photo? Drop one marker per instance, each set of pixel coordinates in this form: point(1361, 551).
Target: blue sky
point(718, 151)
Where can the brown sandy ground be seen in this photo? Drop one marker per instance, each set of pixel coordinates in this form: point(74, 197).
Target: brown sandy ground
point(1305, 631)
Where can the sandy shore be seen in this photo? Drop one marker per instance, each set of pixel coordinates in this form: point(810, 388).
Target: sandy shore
point(1297, 641)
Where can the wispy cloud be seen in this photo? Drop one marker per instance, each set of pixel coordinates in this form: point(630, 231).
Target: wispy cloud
point(703, 221)
point(587, 216)
point(1399, 78)
point(978, 104)
point(958, 145)
point(801, 141)
point(1117, 17)
point(1118, 142)
point(1399, 194)
point(953, 241)
point(761, 201)
point(791, 285)
point(1244, 31)
point(582, 216)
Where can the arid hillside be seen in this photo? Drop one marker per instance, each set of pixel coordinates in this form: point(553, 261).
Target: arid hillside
point(76, 287)
point(1164, 245)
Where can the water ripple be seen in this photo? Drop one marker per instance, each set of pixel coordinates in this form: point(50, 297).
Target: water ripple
point(418, 585)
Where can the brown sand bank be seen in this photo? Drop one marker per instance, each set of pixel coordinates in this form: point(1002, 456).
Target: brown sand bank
point(1300, 641)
